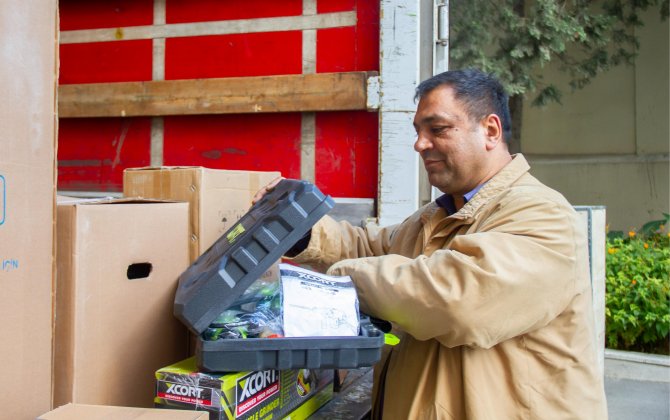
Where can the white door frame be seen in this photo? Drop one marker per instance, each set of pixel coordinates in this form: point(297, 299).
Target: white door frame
point(406, 26)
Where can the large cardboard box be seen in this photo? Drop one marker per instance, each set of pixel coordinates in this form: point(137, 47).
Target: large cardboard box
point(217, 198)
point(103, 412)
point(28, 75)
point(280, 394)
point(118, 262)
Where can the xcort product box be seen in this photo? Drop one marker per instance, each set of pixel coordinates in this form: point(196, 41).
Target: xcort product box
point(267, 394)
point(104, 412)
point(117, 267)
point(28, 120)
point(217, 198)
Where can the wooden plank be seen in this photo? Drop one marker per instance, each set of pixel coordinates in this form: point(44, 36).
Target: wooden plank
point(158, 73)
point(286, 93)
point(308, 122)
point(308, 147)
point(242, 26)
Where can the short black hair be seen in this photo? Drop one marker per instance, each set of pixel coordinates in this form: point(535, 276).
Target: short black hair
point(481, 93)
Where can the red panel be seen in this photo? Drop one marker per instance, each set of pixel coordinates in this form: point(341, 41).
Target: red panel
point(334, 50)
point(347, 153)
point(259, 54)
point(329, 6)
point(118, 61)
point(352, 48)
point(258, 142)
point(93, 152)
point(179, 11)
point(87, 14)
point(347, 142)
point(367, 35)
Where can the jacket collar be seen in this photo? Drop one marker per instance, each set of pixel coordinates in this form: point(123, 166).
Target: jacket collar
point(514, 170)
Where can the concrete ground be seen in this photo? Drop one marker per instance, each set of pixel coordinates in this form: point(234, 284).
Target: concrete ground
point(637, 386)
point(628, 399)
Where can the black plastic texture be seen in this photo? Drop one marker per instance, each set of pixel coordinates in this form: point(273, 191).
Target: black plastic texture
point(242, 254)
point(292, 353)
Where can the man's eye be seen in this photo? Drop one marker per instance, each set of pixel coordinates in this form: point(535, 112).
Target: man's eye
point(440, 130)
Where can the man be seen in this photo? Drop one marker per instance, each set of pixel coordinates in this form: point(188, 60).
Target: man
point(488, 286)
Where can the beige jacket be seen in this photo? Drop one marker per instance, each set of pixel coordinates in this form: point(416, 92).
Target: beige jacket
point(494, 302)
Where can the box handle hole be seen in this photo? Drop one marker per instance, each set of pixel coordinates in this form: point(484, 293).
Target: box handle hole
point(139, 271)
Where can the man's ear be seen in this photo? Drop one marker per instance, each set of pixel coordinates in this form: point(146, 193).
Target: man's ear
point(493, 130)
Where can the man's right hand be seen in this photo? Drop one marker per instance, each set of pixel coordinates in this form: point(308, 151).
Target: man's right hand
point(266, 189)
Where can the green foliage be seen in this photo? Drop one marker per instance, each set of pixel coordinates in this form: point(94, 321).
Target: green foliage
point(515, 38)
point(638, 289)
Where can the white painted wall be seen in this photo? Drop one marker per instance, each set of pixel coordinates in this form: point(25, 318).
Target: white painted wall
point(399, 75)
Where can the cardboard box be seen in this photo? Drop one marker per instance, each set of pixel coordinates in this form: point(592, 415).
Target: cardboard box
point(28, 75)
point(100, 412)
point(217, 198)
point(244, 395)
point(118, 263)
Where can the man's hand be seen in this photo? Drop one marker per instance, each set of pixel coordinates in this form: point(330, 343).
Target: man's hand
point(271, 186)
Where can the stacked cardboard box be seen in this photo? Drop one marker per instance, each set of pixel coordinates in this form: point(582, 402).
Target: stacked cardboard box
point(28, 74)
point(118, 264)
point(217, 198)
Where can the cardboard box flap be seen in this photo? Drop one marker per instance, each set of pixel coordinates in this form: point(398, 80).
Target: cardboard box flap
point(176, 168)
point(102, 412)
point(67, 200)
point(194, 178)
point(242, 254)
point(62, 200)
point(162, 168)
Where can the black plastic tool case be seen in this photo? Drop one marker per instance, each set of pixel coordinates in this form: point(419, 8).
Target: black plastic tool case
point(239, 257)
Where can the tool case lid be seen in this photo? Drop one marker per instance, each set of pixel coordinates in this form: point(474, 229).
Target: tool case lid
point(242, 254)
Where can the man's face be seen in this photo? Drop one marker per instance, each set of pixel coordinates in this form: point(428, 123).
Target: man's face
point(453, 147)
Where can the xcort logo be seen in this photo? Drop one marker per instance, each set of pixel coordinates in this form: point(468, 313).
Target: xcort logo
point(255, 389)
point(3, 199)
point(184, 390)
point(315, 278)
point(196, 395)
point(256, 382)
point(307, 276)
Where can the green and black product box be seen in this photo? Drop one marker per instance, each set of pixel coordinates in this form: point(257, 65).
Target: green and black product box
point(267, 394)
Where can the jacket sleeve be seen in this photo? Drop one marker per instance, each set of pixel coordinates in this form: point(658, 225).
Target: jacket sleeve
point(514, 276)
point(333, 241)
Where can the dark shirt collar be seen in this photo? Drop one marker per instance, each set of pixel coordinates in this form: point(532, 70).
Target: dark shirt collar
point(446, 201)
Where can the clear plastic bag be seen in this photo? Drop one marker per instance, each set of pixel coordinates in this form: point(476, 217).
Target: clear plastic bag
point(256, 314)
point(317, 305)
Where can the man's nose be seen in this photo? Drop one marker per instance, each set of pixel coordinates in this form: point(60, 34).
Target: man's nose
point(421, 143)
